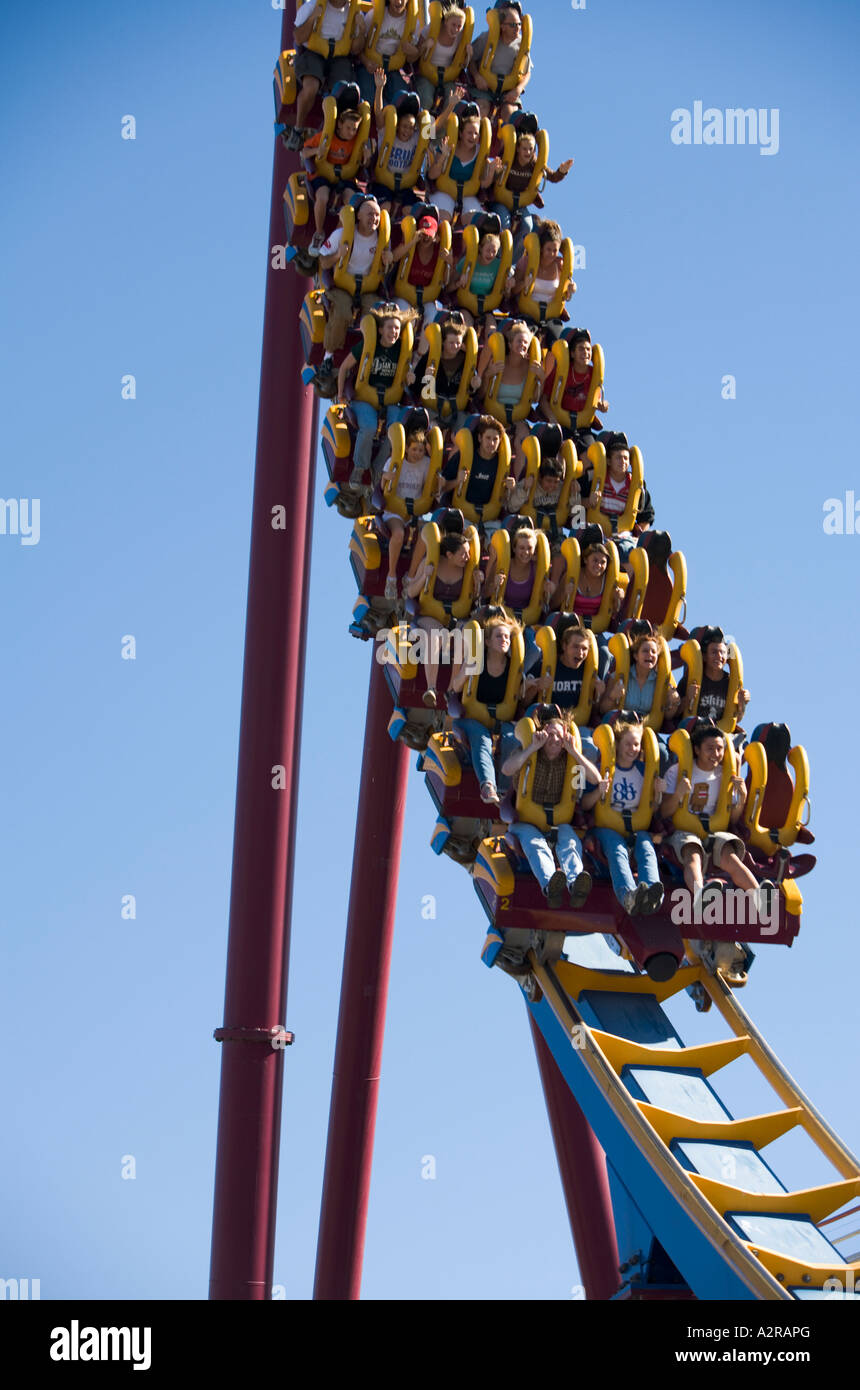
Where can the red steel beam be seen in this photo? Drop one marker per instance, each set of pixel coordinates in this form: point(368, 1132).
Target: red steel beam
point(582, 1167)
point(249, 1117)
point(364, 992)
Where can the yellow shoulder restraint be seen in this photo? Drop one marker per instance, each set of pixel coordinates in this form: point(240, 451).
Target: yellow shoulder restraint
point(551, 522)
point(447, 611)
point(344, 279)
point(626, 822)
point(511, 414)
point(406, 178)
point(611, 525)
point(683, 819)
point(620, 649)
point(378, 396)
point(442, 406)
point(493, 715)
point(323, 168)
point(417, 294)
point(531, 811)
point(692, 656)
point(536, 309)
point(409, 508)
point(504, 195)
point(501, 548)
point(548, 644)
point(498, 85)
point(333, 48)
point(479, 304)
point(640, 564)
point(770, 838)
point(489, 511)
point(469, 187)
point(439, 76)
point(585, 417)
point(612, 579)
point(395, 61)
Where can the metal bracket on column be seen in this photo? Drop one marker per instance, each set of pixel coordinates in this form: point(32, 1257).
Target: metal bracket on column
point(276, 1036)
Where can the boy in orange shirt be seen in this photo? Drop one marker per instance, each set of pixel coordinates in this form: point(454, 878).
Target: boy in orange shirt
point(339, 153)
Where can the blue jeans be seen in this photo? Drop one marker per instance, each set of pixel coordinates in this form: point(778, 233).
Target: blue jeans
point(532, 649)
point(604, 655)
point(615, 849)
point(481, 748)
point(527, 223)
point(539, 854)
point(368, 418)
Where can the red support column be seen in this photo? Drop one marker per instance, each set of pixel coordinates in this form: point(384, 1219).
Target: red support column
point(582, 1166)
point(364, 993)
point(246, 1172)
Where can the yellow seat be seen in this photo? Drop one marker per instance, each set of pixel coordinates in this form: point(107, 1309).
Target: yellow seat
point(641, 817)
point(501, 193)
point(407, 509)
point(500, 545)
point(613, 579)
point(465, 443)
point(479, 304)
point(619, 645)
point(499, 85)
point(548, 645)
point(438, 76)
point(511, 414)
point(585, 417)
point(535, 309)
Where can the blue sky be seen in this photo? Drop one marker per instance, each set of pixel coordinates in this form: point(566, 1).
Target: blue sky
point(147, 257)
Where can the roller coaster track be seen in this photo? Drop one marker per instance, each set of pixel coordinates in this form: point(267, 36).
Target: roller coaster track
point(671, 1141)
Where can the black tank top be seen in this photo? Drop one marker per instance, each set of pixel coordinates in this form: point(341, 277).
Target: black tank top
point(491, 689)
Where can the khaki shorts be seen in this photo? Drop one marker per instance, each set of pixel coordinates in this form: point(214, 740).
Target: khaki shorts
point(724, 841)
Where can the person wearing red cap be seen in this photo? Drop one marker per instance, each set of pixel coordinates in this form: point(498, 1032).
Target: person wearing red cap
point(427, 253)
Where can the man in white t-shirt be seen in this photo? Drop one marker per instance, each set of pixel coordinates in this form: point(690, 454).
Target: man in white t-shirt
point(340, 302)
point(700, 795)
point(700, 792)
point(313, 71)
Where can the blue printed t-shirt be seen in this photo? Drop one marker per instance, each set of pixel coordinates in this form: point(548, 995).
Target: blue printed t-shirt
point(627, 786)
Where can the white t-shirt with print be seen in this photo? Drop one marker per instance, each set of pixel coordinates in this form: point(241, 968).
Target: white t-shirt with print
point(413, 476)
point(706, 789)
point(627, 786)
point(390, 33)
point(363, 250)
point(402, 152)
